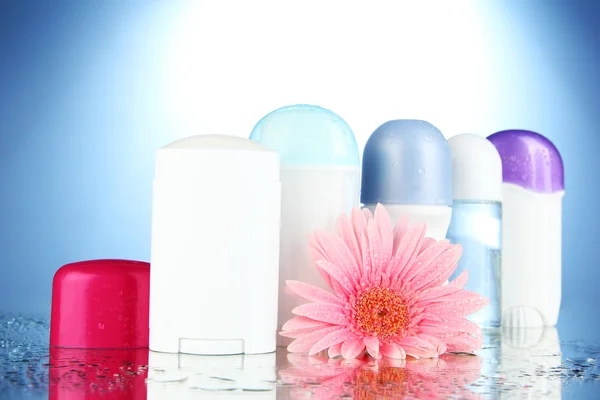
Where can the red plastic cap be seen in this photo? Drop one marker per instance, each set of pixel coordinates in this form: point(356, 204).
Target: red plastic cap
point(101, 304)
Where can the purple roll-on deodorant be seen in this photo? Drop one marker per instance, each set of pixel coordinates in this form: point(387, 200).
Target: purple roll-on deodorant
point(533, 189)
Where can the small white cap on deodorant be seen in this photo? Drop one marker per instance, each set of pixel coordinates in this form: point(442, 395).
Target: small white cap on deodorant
point(476, 168)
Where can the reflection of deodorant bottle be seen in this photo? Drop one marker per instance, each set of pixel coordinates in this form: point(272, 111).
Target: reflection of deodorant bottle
point(477, 219)
point(407, 168)
point(320, 180)
point(532, 217)
point(530, 363)
point(186, 376)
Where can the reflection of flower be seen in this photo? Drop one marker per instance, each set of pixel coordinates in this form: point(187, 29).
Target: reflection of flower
point(367, 378)
point(389, 293)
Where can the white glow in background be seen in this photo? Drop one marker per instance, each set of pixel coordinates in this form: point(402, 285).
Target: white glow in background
point(465, 66)
point(230, 63)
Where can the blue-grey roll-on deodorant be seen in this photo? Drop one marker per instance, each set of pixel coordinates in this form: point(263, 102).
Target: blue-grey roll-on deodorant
point(407, 168)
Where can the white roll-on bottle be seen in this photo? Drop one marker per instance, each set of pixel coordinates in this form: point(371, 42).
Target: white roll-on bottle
point(320, 179)
point(215, 247)
point(533, 190)
point(407, 167)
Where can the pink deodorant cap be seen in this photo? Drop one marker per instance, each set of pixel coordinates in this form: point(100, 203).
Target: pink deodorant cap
point(101, 304)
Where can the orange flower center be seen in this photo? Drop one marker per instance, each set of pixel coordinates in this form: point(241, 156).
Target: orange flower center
point(381, 312)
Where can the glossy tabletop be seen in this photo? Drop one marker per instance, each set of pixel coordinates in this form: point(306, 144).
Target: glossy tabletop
point(535, 363)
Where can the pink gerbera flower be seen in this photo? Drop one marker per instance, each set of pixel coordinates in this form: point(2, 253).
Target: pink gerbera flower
point(390, 295)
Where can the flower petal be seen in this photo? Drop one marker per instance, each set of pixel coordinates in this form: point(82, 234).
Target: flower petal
point(335, 350)
point(461, 280)
point(335, 337)
point(352, 347)
point(331, 313)
point(367, 213)
point(440, 269)
point(427, 242)
point(301, 323)
point(400, 229)
point(418, 352)
point(317, 254)
point(436, 294)
point(375, 252)
point(427, 317)
point(366, 262)
point(339, 255)
point(386, 233)
point(300, 326)
point(459, 304)
point(417, 348)
point(312, 293)
point(297, 333)
point(313, 244)
point(451, 327)
point(391, 350)
point(372, 344)
point(438, 345)
point(337, 275)
point(407, 251)
point(347, 234)
point(359, 224)
point(424, 260)
point(304, 343)
point(332, 283)
point(464, 342)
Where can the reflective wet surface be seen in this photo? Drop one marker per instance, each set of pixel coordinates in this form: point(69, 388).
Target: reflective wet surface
point(531, 364)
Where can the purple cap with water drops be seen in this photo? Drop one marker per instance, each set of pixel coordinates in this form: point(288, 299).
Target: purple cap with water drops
point(529, 160)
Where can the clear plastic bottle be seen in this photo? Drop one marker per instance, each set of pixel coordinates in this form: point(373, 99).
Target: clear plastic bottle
point(477, 220)
point(476, 226)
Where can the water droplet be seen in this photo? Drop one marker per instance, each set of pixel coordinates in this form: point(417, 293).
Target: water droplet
point(421, 171)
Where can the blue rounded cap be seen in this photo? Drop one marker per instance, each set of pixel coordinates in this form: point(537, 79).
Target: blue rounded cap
point(407, 162)
point(308, 135)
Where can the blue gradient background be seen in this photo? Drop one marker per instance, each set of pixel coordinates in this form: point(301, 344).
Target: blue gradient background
point(81, 118)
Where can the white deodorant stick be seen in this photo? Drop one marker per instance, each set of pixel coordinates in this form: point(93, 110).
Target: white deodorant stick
point(215, 247)
point(533, 189)
point(320, 179)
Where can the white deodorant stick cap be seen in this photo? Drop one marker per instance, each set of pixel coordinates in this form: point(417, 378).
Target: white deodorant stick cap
point(217, 155)
point(476, 168)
